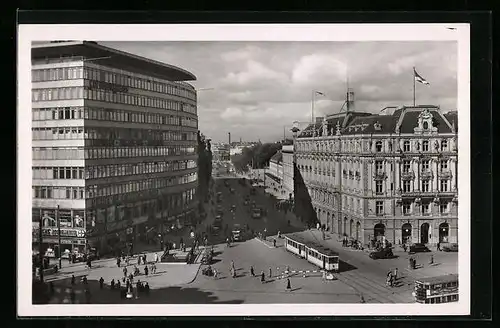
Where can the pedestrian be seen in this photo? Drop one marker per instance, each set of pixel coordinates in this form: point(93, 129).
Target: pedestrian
point(270, 273)
point(395, 274)
point(389, 277)
point(288, 285)
point(262, 277)
point(232, 264)
point(362, 300)
point(139, 258)
point(431, 260)
point(439, 246)
point(146, 288)
point(73, 280)
point(215, 273)
point(252, 272)
point(153, 268)
point(118, 262)
point(118, 284)
point(146, 270)
point(112, 284)
point(145, 258)
point(101, 282)
point(84, 280)
point(274, 242)
point(125, 271)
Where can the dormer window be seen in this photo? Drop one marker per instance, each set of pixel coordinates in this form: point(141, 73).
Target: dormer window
point(377, 126)
point(378, 146)
point(444, 145)
point(406, 146)
point(425, 145)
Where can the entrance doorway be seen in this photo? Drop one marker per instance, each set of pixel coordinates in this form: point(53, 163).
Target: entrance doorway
point(379, 231)
point(406, 233)
point(345, 226)
point(358, 229)
point(424, 233)
point(444, 229)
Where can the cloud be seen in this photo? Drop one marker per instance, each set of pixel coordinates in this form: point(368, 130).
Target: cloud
point(260, 87)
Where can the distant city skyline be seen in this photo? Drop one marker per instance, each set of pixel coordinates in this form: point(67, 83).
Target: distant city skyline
point(258, 87)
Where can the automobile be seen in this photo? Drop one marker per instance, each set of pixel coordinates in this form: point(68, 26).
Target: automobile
point(385, 253)
point(419, 248)
point(452, 247)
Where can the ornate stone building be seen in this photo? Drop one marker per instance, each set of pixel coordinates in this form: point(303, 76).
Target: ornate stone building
point(390, 176)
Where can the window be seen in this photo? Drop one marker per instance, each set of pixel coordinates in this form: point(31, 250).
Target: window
point(425, 186)
point(379, 166)
point(406, 208)
point(378, 187)
point(425, 208)
point(444, 145)
point(425, 165)
point(443, 208)
point(444, 164)
point(406, 166)
point(406, 146)
point(379, 207)
point(425, 145)
point(406, 186)
point(378, 146)
point(444, 185)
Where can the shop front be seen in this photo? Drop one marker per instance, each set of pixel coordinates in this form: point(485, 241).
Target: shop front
point(72, 239)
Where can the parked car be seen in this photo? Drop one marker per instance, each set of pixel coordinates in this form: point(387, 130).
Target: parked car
point(385, 253)
point(453, 247)
point(419, 248)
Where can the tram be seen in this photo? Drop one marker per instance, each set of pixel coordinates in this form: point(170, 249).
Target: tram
point(434, 290)
point(314, 253)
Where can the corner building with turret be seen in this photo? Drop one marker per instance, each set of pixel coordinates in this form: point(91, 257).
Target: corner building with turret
point(392, 176)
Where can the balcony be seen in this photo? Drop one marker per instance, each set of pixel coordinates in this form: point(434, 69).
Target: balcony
point(445, 174)
point(407, 175)
point(426, 175)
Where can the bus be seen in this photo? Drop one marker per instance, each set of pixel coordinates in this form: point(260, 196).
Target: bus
point(435, 290)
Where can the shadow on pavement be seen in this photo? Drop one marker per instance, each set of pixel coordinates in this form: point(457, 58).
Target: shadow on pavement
point(344, 266)
point(168, 295)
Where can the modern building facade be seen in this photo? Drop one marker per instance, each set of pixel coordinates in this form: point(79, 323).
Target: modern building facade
point(391, 176)
point(114, 138)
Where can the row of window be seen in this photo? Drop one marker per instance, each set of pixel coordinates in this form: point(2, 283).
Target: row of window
point(58, 172)
point(58, 192)
point(79, 153)
point(68, 93)
point(104, 171)
point(127, 80)
point(113, 170)
point(379, 167)
point(141, 185)
point(444, 186)
point(407, 208)
point(79, 132)
point(107, 114)
point(378, 146)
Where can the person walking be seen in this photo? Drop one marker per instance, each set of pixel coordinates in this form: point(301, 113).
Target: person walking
point(101, 282)
point(270, 273)
point(252, 272)
point(139, 258)
point(288, 285)
point(146, 270)
point(262, 277)
point(215, 273)
point(274, 243)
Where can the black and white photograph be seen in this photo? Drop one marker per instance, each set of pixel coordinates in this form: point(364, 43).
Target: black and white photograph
point(243, 170)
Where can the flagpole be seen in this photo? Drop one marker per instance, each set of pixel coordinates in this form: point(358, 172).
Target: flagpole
point(413, 86)
point(312, 107)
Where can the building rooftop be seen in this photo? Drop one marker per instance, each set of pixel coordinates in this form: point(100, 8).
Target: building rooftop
point(404, 118)
point(278, 157)
point(118, 59)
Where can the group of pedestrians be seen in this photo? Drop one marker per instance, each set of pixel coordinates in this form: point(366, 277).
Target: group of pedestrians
point(392, 277)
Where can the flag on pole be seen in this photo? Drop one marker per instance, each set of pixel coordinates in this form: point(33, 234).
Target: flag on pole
point(418, 78)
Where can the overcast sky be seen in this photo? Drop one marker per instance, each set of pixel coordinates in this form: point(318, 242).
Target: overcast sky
point(260, 87)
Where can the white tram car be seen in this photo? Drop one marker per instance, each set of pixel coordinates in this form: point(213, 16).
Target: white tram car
point(314, 253)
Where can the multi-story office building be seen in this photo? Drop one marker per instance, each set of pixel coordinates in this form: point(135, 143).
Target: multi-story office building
point(390, 176)
point(114, 138)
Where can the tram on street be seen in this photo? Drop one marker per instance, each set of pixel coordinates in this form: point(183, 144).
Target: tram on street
point(435, 290)
point(314, 253)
